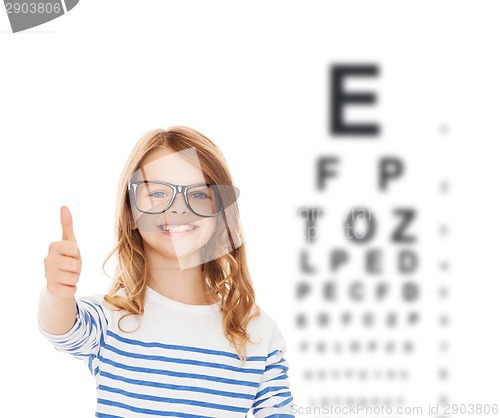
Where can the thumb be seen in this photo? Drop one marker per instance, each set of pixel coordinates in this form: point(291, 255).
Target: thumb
point(67, 224)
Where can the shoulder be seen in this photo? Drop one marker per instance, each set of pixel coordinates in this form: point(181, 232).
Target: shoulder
point(262, 325)
point(98, 300)
point(97, 310)
point(262, 317)
point(95, 304)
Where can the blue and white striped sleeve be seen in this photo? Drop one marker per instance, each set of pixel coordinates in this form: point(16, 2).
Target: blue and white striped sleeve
point(86, 338)
point(274, 398)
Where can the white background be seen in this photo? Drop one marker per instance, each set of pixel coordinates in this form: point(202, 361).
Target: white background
point(78, 92)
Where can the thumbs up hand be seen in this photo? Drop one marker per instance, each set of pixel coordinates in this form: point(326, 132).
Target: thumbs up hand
point(63, 264)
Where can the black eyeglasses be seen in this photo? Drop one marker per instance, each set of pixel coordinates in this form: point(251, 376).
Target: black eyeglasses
point(205, 200)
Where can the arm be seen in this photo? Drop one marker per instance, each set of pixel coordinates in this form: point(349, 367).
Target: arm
point(274, 399)
point(63, 264)
point(73, 327)
point(85, 339)
point(56, 315)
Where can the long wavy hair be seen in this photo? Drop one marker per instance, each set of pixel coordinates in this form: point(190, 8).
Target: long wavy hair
point(226, 276)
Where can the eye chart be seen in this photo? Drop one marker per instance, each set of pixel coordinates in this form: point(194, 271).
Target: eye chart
point(376, 263)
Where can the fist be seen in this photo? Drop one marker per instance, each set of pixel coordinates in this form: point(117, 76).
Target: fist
point(63, 264)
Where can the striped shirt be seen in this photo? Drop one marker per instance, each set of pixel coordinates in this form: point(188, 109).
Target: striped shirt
point(175, 361)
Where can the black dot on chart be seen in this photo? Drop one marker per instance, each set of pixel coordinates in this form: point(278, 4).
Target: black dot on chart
point(444, 186)
point(444, 265)
point(300, 320)
point(443, 374)
point(444, 129)
point(346, 317)
point(443, 345)
point(408, 346)
point(444, 320)
point(443, 292)
point(443, 229)
point(413, 317)
point(323, 319)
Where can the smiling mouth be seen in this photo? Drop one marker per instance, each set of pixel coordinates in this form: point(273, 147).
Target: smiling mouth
point(177, 228)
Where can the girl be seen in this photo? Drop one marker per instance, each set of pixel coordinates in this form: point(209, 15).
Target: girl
point(179, 332)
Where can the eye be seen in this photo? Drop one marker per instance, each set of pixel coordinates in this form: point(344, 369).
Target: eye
point(200, 195)
point(158, 195)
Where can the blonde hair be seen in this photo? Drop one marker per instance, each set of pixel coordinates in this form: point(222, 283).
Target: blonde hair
point(227, 275)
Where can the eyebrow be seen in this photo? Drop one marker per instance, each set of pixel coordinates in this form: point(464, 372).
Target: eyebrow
point(164, 181)
point(144, 177)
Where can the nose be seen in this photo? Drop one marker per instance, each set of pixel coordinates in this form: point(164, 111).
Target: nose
point(179, 205)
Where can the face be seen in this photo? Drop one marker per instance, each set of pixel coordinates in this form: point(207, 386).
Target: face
point(174, 238)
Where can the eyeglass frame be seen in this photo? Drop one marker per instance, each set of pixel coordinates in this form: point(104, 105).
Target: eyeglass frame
point(178, 189)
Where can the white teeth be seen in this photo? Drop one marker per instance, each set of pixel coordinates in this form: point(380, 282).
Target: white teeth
point(177, 228)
